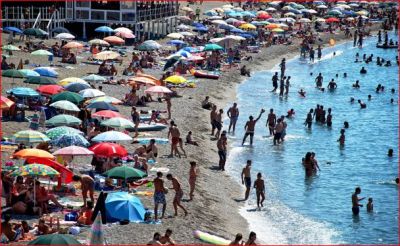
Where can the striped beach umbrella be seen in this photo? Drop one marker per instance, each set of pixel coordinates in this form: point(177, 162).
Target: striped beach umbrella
point(29, 136)
point(56, 132)
point(41, 53)
point(73, 150)
point(65, 105)
point(106, 99)
point(68, 140)
point(69, 80)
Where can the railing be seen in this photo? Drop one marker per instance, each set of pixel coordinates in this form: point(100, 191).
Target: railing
point(30, 13)
point(156, 13)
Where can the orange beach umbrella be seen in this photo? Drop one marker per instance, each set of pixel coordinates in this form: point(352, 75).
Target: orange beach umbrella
point(28, 153)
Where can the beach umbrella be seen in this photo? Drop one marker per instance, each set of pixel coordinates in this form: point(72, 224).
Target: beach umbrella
point(123, 29)
point(39, 80)
point(212, 47)
point(111, 136)
point(189, 34)
point(139, 74)
point(320, 20)
point(63, 120)
point(46, 71)
point(118, 122)
point(108, 150)
point(175, 35)
point(191, 49)
point(77, 87)
point(263, 16)
point(187, 9)
point(67, 95)
point(41, 53)
point(125, 172)
point(50, 89)
point(236, 30)
point(35, 170)
point(13, 73)
point(65, 105)
point(106, 114)
point(142, 80)
point(23, 92)
point(334, 12)
point(183, 27)
point(60, 30)
point(68, 140)
point(201, 29)
point(74, 151)
point(304, 20)
point(158, 89)
point(277, 30)
point(35, 32)
point(123, 206)
point(125, 35)
point(29, 73)
point(272, 26)
point(91, 93)
point(248, 14)
point(67, 81)
point(98, 42)
point(64, 35)
point(227, 6)
point(149, 45)
point(331, 20)
point(12, 29)
point(195, 58)
point(94, 78)
point(322, 7)
point(231, 20)
point(6, 103)
point(114, 40)
point(55, 239)
point(56, 132)
point(10, 47)
point(106, 99)
point(96, 235)
point(211, 13)
point(219, 22)
point(106, 55)
point(104, 29)
point(27, 153)
point(101, 106)
point(175, 79)
point(73, 45)
point(29, 136)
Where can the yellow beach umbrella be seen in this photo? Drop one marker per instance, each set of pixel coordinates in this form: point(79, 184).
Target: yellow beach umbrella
point(272, 26)
point(278, 30)
point(248, 26)
point(70, 80)
point(175, 79)
point(106, 55)
point(28, 153)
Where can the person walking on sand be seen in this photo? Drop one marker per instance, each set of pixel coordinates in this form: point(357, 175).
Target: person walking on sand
point(355, 201)
point(135, 119)
point(159, 195)
point(193, 173)
point(221, 145)
point(169, 104)
point(178, 194)
point(275, 82)
point(175, 135)
point(213, 116)
point(250, 127)
point(218, 122)
point(246, 178)
point(260, 190)
point(233, 114)
point(271, 121)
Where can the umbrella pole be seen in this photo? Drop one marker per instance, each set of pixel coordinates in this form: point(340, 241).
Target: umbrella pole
point(34, 193)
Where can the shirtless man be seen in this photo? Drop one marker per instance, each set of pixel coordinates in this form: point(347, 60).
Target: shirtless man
point(135, 119)
point(193, 173)
point(178, 194)
point(166, 239)
point(319, 80)
point(260, 190)
point(355, 200)
point(271, 121)
point(175, 135)
point(275, 82)
point(213, 115)
point(221, 145)
point(278, 131)
point(332, 85)
point(250, 127)
point(168, 101)
point(218, 122)
point(87, 185)
point(233, 114)
point(155, 240)
point(246, 178)
point(159, 195)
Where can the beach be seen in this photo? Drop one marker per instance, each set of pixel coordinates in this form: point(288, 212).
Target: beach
point(214, 208)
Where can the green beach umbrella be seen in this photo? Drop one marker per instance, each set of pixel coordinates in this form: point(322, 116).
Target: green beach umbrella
point(10, 47)
point(40, 80)
point(13, 73)
point(63, 120)
point(29, 136)
point(56, 132)
point(55, 239)
point(69, 96)
point(212, 47)
point(41, 53)
point(125, 172)
point(65, 105)
point(29, 73)
point(34, 32)
point(118, 122)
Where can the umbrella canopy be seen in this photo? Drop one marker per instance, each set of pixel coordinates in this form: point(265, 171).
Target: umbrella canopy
point(96, 236)
point(102, 106)
point(77, 87)
point(118, 122)
point(104, 29)
point(10, 47)
point(175, 35)
point(108, 150)
point(55, 239)
point(176, 42)
point(6, 103)
point(69, 96)
point(149, 45)
point(125, 172)
point(35, 32)
point(65, 174)
point(94, 78)
point(27, 153)
point(40, 80)
point(106, 55)
point(277, 30)
point(36, 170)
point(125, 35)
point(106, 99)
point(123, 206)
point(106, 114)
point(60, 30)
point(63, 120)
point(12, 29)
point(24, 92)
point(13, 73)
point(56, 132)
point(142, 80)
point(68, 140)
point(98, 42)
point(67, 81)
point(65, 105)
point(29, 73)
point(91, 93)
point(212, 47)
point(29, 136)
point(331, 20)
point(158, 89)
point(41, 53)
point(50, 89)
point(114, 40)
point(175, 79)
point(73, 150)
point(112, 136)
point(187, 34)
point(248, 26)
point(65, 35)
point(73, 45)
point(46, 71)
point(123, 29)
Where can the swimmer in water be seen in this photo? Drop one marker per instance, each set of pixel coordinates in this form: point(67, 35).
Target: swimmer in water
point(356, 85)
point(362, 104)
point(397, 180)
point(302, 93)
point(351, 99)
point(332, 85)
point(342, 137)
point(392, 101)
point(319, 80)
point(334, 53)
point(355, 201)
point(346, 124)
point(369, 97)
point(390, 152)
point(345, 75)
point(290, 113)
point(363, 70)
point(393, 90)
point(370, 205)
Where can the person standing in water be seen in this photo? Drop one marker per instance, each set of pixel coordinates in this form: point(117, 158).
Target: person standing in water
point(319, 52)
point(283, 67)
point(312, 54)
point(271, 121)
point(342, 138)
point(260, 190)
point(309, 119)
point(250, 127)
point(275, 82)
point(287, 85)
point(355, 201)
point(329, 118)
point(233, 114)
point(246, 178)
point(282, 86)
point(319, 80)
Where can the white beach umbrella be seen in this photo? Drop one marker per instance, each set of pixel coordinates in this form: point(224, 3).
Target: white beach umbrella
point(227, 6)
point(289, 14)
point(321, 7)
point(123, 29)
point(219, 22)
point(91, 93)
point(215, 17)
point(64, 36)
point(271, 9)
point(175, 35)
point(304, 20)
point(183, 27)
point(189, 34)
point(99, 42)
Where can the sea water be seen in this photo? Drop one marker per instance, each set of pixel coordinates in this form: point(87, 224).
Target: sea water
point(318, 210)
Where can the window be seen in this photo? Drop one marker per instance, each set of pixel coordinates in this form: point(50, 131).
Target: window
point(97, 15)
point(127, 5)
point(83, 4)
point(106, 5)
point(82, 14)
point(69, 4)
point(70, 14)
point(113, 16)
point(128, 17)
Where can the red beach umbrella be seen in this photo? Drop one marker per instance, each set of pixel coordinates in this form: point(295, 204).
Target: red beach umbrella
point(263, 16)
point(331, 19)
point(108, 150)
point(107, 114)
point(50, 89)
point(114, 40)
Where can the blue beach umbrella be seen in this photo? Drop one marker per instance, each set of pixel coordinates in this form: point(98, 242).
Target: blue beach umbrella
point(176, 42)
point(190, 49)
point(226, 27)
point(211, 13)
point(70, 139)
point(104, 29)
point(183, 53)
point(123, 206)
point(46, 72)
point(237, 30)
point(12, 29)
point(248, 14)
point(235, 14)
point(77, 87)
point(200, 29)
point(24, 92)
point(246, 35)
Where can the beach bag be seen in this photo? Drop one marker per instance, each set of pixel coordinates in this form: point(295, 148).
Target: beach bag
point(71, 216)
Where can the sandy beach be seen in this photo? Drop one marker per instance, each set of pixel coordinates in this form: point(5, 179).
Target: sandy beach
point(214, 208)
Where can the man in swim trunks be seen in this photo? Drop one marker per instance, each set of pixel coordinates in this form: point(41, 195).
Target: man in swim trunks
point(178, 194)
point(175, 135)
point(275, 82)
point(319, 80)
point(159, 195)
point(278, 132)
point(355, 200)
point(218, 122)
point(221, 145)
point(233, 114)
point(271, 121)
point(213, 115)
point(250, 127)
point(87, 185)
point(260, 190)
point(246, 178)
